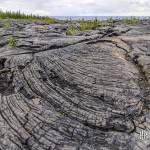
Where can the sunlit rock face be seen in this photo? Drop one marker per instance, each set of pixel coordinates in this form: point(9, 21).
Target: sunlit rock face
point(84, 92)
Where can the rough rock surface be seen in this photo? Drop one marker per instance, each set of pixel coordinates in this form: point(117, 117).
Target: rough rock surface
point(85, 92)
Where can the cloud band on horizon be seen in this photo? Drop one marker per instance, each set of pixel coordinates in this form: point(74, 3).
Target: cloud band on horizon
point(79, 8)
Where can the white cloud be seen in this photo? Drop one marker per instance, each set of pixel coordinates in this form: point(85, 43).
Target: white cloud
point(79, 7)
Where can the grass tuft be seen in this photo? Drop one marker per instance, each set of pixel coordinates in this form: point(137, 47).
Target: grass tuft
point(7, 25)
point(71, 30)
point(12, 42)
point(89, 24)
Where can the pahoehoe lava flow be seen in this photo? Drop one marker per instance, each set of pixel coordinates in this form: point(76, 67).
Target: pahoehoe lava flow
point(83, 92)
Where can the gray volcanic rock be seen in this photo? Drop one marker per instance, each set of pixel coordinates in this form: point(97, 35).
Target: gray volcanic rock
point(88, 32)
point(61, 92)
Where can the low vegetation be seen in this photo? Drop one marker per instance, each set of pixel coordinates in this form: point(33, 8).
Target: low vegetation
point(72, 30)
point(131, 21)
point(19, 15)
point(89, 24)
point(12, 42)
point(81, 25)
point(7, 25)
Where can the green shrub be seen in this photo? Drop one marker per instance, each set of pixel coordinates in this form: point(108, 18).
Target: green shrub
point(12, 42)
point(71, 30)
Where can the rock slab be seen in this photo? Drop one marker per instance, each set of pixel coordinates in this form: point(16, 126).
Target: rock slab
point(84, 92)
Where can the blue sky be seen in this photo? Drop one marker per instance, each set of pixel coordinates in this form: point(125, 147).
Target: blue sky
point(79, 7)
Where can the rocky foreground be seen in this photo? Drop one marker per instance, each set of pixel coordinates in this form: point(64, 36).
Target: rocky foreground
point(85, 92)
